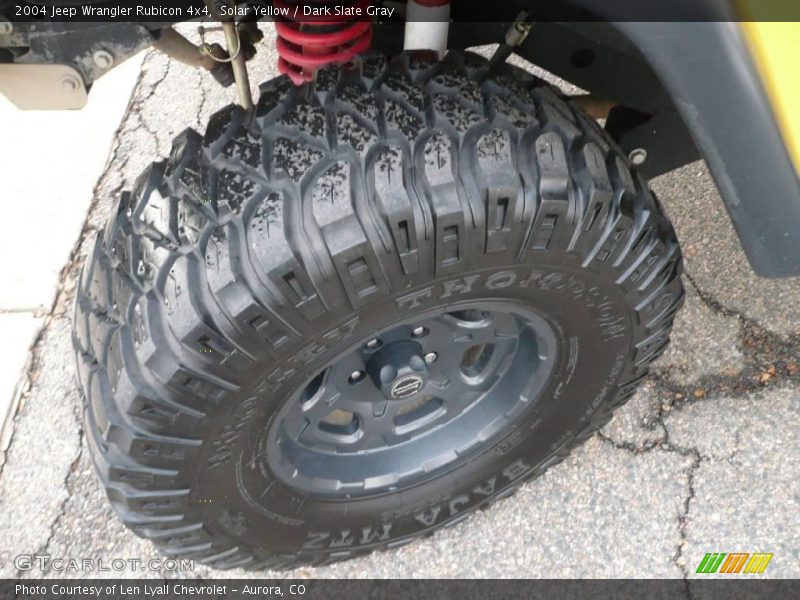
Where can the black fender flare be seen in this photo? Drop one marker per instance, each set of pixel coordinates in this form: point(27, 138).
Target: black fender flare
point(709, 74)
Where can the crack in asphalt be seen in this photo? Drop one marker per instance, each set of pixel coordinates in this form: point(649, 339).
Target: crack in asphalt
point(143, 119)
point(770, 359)
point(664, 444)
point(683, 519)
point(697, 459)
point(202, 105)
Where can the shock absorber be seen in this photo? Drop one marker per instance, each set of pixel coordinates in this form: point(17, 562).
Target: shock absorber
point(307, 43)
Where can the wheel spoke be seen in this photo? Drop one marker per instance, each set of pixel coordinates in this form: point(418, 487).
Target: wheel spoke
point(494, 329)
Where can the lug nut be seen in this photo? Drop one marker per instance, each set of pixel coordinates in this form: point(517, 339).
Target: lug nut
point(420, 332)
point(356, 376)
point(431, 357)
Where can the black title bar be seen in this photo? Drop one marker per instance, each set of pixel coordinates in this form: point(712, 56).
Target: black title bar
point(172, 11)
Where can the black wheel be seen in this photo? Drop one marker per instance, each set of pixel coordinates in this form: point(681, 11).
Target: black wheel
point(377, 304)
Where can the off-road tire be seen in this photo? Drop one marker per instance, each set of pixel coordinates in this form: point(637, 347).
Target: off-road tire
point(236, 268)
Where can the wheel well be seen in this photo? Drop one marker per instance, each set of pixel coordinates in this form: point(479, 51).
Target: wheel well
point(599, 58)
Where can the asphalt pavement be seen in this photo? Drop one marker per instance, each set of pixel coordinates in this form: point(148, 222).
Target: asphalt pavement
point(704, 458)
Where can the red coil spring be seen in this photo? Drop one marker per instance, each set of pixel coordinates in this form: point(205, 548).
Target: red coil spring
point(306, 43)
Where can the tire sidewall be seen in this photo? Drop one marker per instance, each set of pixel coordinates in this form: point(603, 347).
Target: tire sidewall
point(239, 496)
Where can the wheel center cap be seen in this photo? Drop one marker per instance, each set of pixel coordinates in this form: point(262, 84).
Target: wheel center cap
point(399, 370)
point(406, 386)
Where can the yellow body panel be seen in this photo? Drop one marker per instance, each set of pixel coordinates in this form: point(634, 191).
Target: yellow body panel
point(775, 48)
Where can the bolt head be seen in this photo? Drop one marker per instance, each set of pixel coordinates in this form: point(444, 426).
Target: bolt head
point(419, 331)
point(70, 84)
point(103, 59)
point(373, 344)
point(431, 357)
point(356, 376)
point(638, 156)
